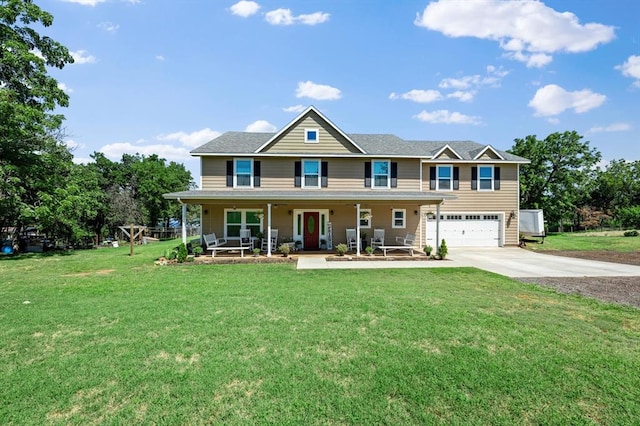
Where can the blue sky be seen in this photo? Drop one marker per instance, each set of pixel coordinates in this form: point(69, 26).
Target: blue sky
point(165, 76)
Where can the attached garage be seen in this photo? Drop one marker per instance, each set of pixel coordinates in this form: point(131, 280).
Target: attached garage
point(467, 229)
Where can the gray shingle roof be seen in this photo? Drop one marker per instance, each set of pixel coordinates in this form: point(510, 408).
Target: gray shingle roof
point(239, 143)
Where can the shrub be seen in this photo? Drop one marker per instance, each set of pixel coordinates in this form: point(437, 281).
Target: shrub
point(427, 250)
point(369, 250)
point(443, 250)
point(256, 252)
point(285, 249)
point(182, 253)
point(631, 233)
point(629, 216)
point(197, 250)
point(341, 249)
point(170, 254)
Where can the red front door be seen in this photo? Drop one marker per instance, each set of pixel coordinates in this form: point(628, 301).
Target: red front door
point(311, 230)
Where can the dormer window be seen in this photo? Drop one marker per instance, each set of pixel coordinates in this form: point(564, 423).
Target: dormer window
point(311, 135)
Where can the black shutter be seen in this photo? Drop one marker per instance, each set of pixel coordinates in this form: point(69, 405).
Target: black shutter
point(297, 172)
point(496, 178)
point(432, 178)
point(325, 174)
point(230, 173)
point(367, 174)
point(474, 178)
point(256, 174)
point(394, 175)
point(456, 178)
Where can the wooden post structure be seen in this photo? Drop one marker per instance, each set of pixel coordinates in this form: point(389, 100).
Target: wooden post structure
point(131, 237)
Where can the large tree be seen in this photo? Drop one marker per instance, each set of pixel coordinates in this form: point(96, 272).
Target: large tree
point(30, 138)
point(561, 168)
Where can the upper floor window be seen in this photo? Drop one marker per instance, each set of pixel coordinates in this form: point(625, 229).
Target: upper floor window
point(243, 173)
point(311, 173)
point(444, 178)
point(381, 172)
point(311, 135)
point(485, 178)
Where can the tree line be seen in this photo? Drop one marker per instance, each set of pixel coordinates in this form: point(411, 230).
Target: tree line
point(565, 179)
point(40, 186)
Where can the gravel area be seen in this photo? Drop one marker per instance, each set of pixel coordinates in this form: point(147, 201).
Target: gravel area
point(622, 290)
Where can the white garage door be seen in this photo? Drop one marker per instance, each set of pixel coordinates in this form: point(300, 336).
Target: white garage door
point(466, 230)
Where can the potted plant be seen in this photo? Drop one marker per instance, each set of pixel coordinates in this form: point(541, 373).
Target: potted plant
point(427, 250)
point(323, 244)
point(369, 250)
point(197, 251)
point(298, 245)
point(256, 252)
point(341, 249)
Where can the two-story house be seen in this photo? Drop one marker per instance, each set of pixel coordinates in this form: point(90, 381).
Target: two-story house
point(312, 182)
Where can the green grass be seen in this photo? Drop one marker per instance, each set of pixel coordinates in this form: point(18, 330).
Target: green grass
point(113, 339)
point(587, 242)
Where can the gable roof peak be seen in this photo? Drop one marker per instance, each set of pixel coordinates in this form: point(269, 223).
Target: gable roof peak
point(300, 117)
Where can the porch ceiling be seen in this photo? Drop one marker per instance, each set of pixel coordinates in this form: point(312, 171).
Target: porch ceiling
point(325, 197)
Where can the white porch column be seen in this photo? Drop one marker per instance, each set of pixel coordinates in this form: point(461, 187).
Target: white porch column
point(269, 230)
point(437, 227)
point(184, 224)
point(358, 229)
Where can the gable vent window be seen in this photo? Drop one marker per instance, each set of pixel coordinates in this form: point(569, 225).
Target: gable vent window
point(311, 135)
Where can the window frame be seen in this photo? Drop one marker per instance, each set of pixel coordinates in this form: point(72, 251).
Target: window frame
point(438, 178)
point(491, 179)
point(304, 175)
point(373, 174)
point(235, 173)
point(393, 218)
point(243, 224)
point(306, 136)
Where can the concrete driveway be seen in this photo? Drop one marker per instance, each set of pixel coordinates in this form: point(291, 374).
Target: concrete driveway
point(516, 263)
point(509, 261)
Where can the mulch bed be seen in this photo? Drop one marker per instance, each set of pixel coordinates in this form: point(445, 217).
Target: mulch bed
point(622, 290)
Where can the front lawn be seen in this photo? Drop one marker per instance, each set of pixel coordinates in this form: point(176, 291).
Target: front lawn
point(585, 241)
point(98, 336)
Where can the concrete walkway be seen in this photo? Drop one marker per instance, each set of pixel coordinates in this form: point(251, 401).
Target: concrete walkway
point(509, 261)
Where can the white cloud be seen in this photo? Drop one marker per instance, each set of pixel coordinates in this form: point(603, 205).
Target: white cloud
point(615, 127)
point(553, 100)
point(245, 8)
point(420, 96)
point(446, 117)
point(81, 57)
point(160, 57)
point(82, 160)
point(631, 68)
point(285, 17)
point(463, 96)
point(72, 145)
point(261, 126)
point(193, 139)
point(114, 151)
point(86, 2)
point(296, 108)
point(322, 92)
point(460, 83)
point(65, 88)
point(528, 30)
point(109, 27)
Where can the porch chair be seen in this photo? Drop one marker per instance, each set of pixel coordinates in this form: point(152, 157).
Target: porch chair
point(377, 240)
point(245, 238)
point(210, 240)
point(352, 241)
point(407, 240)
point(274, 241)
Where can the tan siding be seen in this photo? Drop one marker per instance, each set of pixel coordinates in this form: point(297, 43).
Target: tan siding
point(504, 200)
point(447, 154)
point(329, 141)
point(214, 173)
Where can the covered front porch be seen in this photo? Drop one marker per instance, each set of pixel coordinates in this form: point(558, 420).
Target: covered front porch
point(313, 221)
